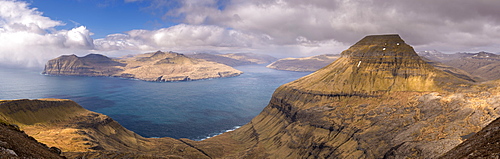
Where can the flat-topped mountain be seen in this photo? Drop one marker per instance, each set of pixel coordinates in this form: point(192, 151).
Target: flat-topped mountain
point(158, 66)
point(376, 64)
point(235, 59)
point(304, 64)
point(378, 100)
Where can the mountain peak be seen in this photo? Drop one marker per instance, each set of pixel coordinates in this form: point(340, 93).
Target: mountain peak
point(376, 64)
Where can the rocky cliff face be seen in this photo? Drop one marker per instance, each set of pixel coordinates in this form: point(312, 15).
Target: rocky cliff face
point(379, 100)
point(158, 66)
point(305, 64)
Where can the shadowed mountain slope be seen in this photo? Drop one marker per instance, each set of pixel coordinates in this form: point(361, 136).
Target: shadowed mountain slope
point(16, 144)
point(483, 144)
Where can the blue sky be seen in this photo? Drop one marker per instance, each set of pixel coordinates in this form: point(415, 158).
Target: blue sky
point(281, 28)
point(101, 17)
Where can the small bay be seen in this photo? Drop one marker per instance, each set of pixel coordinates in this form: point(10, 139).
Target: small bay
point(193, 109)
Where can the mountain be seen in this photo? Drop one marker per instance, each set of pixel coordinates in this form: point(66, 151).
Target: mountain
point(235, 59)
point(158, 66)
point(378, 100)
point(304, 64)
point(483, 65)
point(483, 144)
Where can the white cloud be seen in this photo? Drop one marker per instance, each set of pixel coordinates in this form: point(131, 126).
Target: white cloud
point(445, 25)
point(277, 27)
point(29, 39)
point(182, 37)
point(195, 38)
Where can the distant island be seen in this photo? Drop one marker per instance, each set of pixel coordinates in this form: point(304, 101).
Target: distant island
point(304, 64)
point(157, 66)
point(235, 59)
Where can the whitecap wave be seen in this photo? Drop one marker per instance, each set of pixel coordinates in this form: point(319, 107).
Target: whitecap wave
point(215, 134)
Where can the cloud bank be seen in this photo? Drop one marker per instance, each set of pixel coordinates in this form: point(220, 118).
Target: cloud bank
point(29, 39)
point(283, 28)
point(428, 24)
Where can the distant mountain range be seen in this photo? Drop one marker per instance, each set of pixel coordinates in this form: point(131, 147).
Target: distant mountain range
point(483, 66)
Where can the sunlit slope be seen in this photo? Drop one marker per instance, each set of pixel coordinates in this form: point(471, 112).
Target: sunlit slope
point(378, 100)
point(66, 125)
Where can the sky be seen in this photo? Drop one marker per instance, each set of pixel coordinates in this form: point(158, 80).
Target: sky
point(34, 31)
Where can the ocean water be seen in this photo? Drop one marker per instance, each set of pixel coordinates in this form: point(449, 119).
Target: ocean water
point(194, 109)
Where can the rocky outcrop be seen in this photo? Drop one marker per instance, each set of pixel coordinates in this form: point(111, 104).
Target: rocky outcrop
point(305, 64)
point(158, 66)
point(235, 59)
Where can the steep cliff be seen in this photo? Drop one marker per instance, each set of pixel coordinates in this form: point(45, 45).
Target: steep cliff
point(158, 66)
point(304, 64)
point(378, 100)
